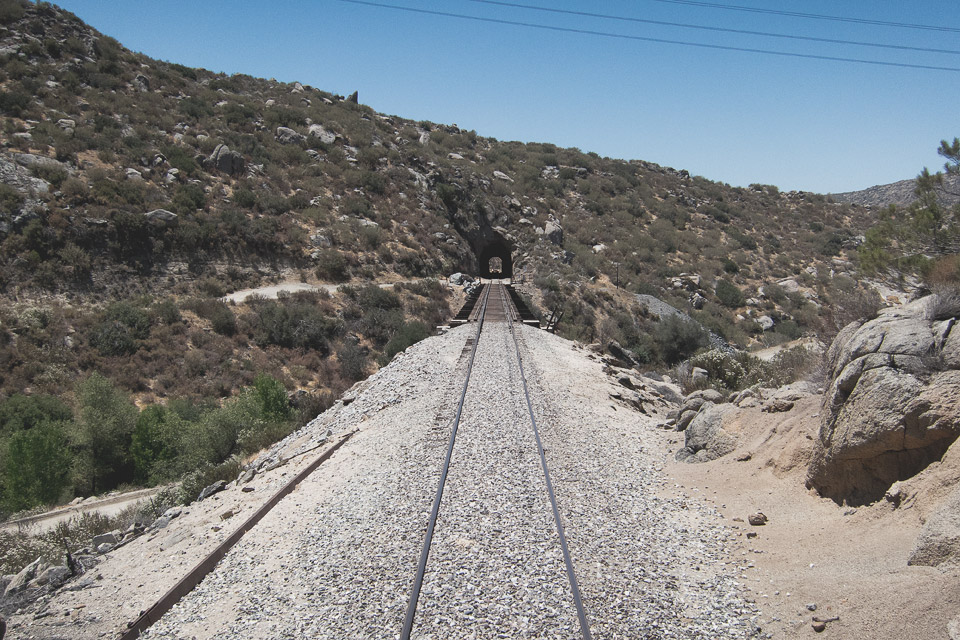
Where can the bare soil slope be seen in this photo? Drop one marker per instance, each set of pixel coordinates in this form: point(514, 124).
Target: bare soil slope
point(850, 563)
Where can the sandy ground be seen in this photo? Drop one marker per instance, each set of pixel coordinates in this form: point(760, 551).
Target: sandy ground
point(272, 291)
point(850, 563)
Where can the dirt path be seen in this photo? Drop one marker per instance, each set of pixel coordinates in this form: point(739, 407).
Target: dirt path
point(108, 506)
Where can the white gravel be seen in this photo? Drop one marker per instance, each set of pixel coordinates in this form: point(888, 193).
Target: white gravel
point(496, 565)
point(648, 567)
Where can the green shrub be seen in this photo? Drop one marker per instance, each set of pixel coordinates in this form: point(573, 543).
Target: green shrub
point(204, 475)
point(372, 296)
point(188, 199)
point(112, 338)
point(294, 325)
point(244, 198)
point(11, 11)
point(742, 239)
point(722, 367)
point(167, 312)
point(180, 158)
point(408, 334)
point(223, 320)
point(729, 294)
point(54, 175)
point(677, 338)
point(789, 329)
point(332, 265)
point(775, 293)
point(131, 316)
point(211, 287)
point(353, 360)
point(10, 198)
point(13, 103)
point(195, 107)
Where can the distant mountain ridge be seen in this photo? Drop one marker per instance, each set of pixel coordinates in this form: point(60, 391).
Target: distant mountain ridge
point(899, 193)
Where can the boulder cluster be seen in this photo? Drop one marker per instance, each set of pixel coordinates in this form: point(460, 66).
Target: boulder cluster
point(891, 411)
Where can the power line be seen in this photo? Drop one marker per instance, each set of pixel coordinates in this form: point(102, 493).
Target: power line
point(813, 16)
point(606, 34)
point(604, 16)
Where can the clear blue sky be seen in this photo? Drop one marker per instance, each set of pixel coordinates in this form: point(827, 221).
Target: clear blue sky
point(731, 116)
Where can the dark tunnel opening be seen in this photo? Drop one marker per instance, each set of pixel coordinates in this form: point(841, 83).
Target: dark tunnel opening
point(496, 261)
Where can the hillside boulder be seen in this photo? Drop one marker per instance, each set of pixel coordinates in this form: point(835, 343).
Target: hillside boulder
point(325, 136)
point(225, 161)
point(705, 438)
point(286, 135)
point(21, 581)
point(553, 232)
point(161, 216)
point(893, 404)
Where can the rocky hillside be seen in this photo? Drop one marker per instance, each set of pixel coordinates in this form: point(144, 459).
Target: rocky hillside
point(129, 174)
point(898, 193)
point(136, 193)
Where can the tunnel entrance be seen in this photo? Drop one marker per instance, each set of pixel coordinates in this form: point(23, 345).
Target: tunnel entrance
point(496, 260)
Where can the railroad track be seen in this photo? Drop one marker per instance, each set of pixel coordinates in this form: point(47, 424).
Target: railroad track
point(498, 486)
point(494, 306)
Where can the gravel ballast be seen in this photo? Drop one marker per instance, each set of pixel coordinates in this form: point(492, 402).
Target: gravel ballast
point(337, 558)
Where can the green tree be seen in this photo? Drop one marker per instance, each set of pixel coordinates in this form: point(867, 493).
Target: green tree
point(19, 412)
point(36, 466)
point(102, 436)
point(906, 237)
point(34, 456)
point(272, 398)
point(155, 444)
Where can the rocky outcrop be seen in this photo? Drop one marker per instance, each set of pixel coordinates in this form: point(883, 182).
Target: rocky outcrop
point(161, 216)
point(22, 579)
point(705, 438)
point(553, 232)
point(225, 161)
point(893, 405)
point(286, 135)
point(14, 172)
point(691, 406)
point(325, 136)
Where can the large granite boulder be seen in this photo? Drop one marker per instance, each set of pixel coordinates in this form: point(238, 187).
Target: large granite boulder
point(553, 232)
point(893, 404)
point(318, 131)
point(286, 135)
point(22, 580)
point(705, 438)
point(939, 540)
point(225, 161)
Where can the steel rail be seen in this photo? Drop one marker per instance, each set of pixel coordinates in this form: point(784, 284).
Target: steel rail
point(192, 579)
point(435, 511)
point(567, 560)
